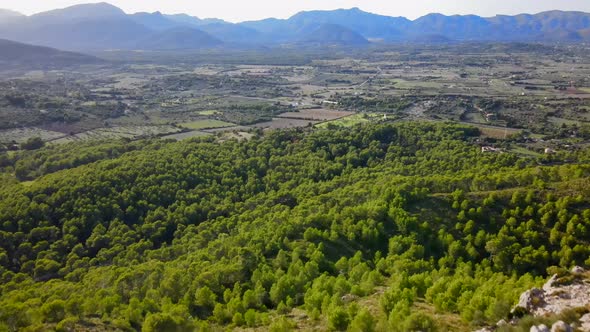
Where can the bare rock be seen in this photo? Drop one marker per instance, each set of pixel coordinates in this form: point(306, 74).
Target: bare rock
point(585, 323)
point(539, 328)
point(501, 322)
point(554, 299)
point(532, 299)
point(578, 270)
point(561, 326)
point(549, 284)
point(349, 298)
point(485, 329)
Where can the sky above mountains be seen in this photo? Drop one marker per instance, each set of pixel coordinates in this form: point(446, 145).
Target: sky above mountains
point(240, 10)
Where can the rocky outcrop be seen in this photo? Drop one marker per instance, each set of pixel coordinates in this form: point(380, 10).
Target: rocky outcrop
point(585, 321)
point(561, 326)
point(559, 294)
point(531, 299)
point(556, 295)
point(578, 270)
point(539, 328)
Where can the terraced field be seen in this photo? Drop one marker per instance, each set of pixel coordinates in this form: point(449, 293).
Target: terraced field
point(318, 114)
point(187, 135)
point(352, 120)
point(22, 134)
point(131, 132)
point(281, 123)
point(206, 124)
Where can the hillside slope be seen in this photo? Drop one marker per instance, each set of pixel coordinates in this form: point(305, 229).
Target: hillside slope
point(393, 227)
point(13, 54)
point(330, 34)
point(180, 38)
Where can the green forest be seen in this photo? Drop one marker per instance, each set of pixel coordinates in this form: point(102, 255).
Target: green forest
point(383, 227)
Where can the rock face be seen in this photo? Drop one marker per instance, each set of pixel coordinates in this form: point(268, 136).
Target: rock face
point(557, 298)
point(561, 326)
point(485, 329)
point(549, 284)
point(578, 270)
point(585, 321)
point(532, 299)
point(571, 291)
point(539, 328)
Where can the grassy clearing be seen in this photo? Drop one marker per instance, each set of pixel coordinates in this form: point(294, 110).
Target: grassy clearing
point(316, 114)
point(187, 135)
point(475, 117)
point(497, 132)
point(494, 132)
point(524, 151)
point(206, 124)
point(560, 121)
point(209, 112)
point(350, 121)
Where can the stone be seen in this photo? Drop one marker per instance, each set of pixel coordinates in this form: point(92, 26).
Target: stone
point(578, 270)
point(501, 322)
point(485, 329)
point(539, 328)
point(585, 323)
point(561, 326)
point(531, 299)
point(348, 298)
point(549, 284)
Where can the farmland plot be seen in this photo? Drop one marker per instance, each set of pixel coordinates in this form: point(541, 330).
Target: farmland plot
point(281, 123)
point(130, 132)
point(22, 134)
point(316, 114)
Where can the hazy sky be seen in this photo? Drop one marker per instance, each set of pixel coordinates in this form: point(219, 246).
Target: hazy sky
point(240, 10)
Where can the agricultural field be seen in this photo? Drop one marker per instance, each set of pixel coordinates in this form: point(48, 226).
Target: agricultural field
point(209, 112)
point(496, 132)
point(281, 123)
point(206, 124)
point(227, 129)
point(483, 85)
point(351, 120)
point(128, 132)
point(237, 135)
point(186, 135)
point(22, 134)
point(316, 114)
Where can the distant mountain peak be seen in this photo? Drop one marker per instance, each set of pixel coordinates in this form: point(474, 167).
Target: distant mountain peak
point(335, 34)
point(179, 38)
point(102, 25)
point(84, 11)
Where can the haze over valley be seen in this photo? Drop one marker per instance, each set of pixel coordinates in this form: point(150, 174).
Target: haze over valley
point(103, 26)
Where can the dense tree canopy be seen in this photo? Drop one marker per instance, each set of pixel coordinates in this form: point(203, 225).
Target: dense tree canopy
point(159, 235)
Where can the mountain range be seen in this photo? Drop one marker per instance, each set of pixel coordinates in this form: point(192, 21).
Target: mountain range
point(103, 26)
point(14, 55)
